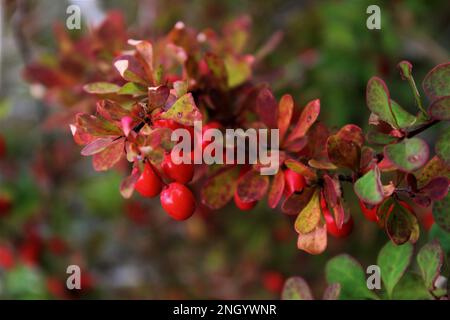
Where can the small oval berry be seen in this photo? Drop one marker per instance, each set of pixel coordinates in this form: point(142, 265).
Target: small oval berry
point(244, 206)
point(181, 173)
point(178, 201)
point(149, 184)
point(332, 228)
point(294, 182)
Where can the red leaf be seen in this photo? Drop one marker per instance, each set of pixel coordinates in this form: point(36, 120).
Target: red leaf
point(252, 186)
point(267, 108)
point(344, 148)
point(307, 118)
point(96, 146)
point(297, 201)
point(276, 190)
point(285, 110)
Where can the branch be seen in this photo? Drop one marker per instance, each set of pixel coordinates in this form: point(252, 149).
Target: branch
point(421, 129)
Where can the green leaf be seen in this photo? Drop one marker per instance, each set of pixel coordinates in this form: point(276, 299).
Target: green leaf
point(441, 213)
point(296, 288)
point(183, 111)
point(369, 188)
point(443, 236)
point(238, 70)
point(101, 88)
point(440, 109)
point(442, 147)
point(24, 283)
point(309, 217)
point(133, 89)
point(437, 82)
point(430, 259)
point(346, 271)
point(379, 102)
point(411, 287)
point(393, 261)
point(219, 189)
point(409, 154)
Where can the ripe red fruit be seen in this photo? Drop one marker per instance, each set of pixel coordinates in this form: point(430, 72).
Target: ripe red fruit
point(294, 182)
point(149, 184)
point(273, 281)
point(332, 228)
point(206, 127)
point(167, 123)
point(244, 206)
point(181, 173)
point(6, 257)
point(369, 212)
point(178, 201)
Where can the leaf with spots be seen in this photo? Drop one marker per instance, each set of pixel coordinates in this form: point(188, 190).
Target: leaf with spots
point(441, 213)
point(430, 259)
point(252, 186)
point(219, 189)
point(437, 82)
point(285, 110)
point(183, 111)
point(307, 118)
point(442, 147)
point(368, 188)
point(440, 109)
point(409, 154)
point(344, 147)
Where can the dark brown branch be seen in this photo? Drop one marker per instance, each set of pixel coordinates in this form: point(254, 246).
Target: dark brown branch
point(421, 129)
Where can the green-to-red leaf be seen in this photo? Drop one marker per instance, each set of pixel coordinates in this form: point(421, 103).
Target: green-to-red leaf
point(130, 69)
point(101, 88)
point(379, 102)
point(314, 242)
point(307, 118)
point(436, 189)
point(285, 110)
point(296, 288)
point(369, 188)
point(132, 89)
point(97, 126)
point(401, 225)
point(409, 154)
point(346, 271)
point(219, 189)
point(442, 147)
point(344, 148)
point(183, 111)
point(252, 186)
point(332, 292)
point(297, 201)
point(411, 287)
point(107, 158)
point(267, 108)
point(440, 109)
point(157, 96)
point(276, 190)
point(309, 217)
point(434, 168)
point(441, 213)
point(96, 146)
point(300, 168)
point(393, 261)
point(437, 82)
point(430, 259)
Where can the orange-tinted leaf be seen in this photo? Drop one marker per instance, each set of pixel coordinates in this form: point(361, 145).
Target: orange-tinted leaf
point(276, 190)
point(344, 148)
point(285, 110)
point(107, 158)
point(314, 242)
point(307, 118)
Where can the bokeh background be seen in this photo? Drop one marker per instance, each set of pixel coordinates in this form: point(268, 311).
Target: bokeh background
point(55, 210)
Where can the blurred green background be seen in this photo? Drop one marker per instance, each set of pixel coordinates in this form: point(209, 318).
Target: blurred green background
point(62, 212)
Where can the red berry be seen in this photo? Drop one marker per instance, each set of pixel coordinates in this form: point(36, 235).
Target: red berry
point(332, 228)
point(181, 173)
point(167, 123)
point(294, 182)
point(2, 147)
point(178, 201)
point(149, 184)
point(6, 257)
point(273, 281)
point(244, 206)
point(370, 212)
point(206, 127)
